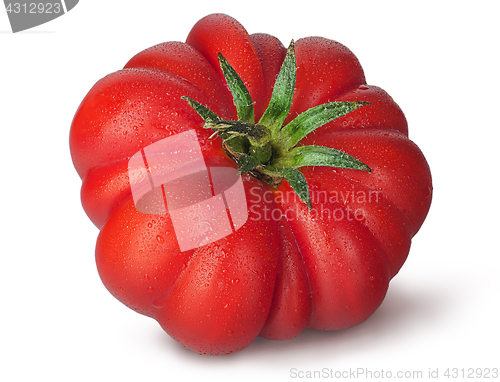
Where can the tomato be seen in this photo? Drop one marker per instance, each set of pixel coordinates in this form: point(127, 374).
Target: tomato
point(189, 159)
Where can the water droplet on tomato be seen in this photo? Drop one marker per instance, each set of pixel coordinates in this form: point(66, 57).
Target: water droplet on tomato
point(160, 239)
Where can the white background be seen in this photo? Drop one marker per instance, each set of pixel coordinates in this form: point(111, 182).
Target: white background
point(439, 61)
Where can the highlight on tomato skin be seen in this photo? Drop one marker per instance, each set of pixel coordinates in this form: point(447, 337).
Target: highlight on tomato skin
point(245, 188)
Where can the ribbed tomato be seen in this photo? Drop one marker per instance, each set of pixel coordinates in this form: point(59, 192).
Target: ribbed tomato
point(221, 239)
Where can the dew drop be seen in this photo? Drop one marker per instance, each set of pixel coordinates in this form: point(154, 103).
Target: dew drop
point(160, 239)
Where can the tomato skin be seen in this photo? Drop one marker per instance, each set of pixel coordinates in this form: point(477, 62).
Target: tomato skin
point(324, 68)
point(381, 113)
point(291, 307)
point(400, 172)
point(287, 268)
point(271, 53)
point(220, 302)
point(229, 282)
point(223, 34)
point(171, 57)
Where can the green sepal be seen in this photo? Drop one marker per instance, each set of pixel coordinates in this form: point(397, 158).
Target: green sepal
point(204, 112)
point(319, 156)
point(256, 134)
point(241, 96)
point(237, 144)
point(298, 182)
point(247, 163)
point(281, 98)
point(311, 119)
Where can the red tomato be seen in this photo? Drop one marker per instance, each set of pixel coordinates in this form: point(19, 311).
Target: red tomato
point(286, 267)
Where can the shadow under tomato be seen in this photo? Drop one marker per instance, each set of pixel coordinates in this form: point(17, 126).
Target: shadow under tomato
point(404, 312)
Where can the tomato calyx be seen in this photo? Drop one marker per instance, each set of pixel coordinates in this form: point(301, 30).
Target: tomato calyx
point(267, 150)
